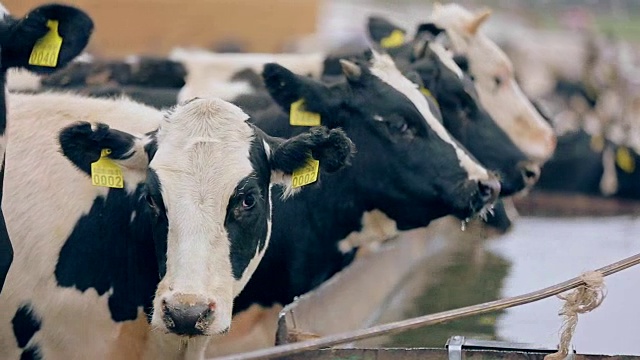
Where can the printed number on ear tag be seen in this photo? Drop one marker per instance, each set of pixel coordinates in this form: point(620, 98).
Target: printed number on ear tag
point(395, 39)
point(300, 117)
point(307, 174)
point(625, 161)
point(46, 50)
point(105, 172)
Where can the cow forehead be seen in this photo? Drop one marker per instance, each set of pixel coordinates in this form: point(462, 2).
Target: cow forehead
point(383, 67)
point(203, 151)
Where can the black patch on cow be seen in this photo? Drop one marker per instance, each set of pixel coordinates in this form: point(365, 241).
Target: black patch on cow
point(31, 353)
point(247, 225)
point(158, 210)
point(25, 324)
point(108, 251)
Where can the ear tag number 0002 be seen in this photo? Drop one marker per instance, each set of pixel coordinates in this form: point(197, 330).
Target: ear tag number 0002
point(300, 117)
point(46, 50)
point(307, 174)
point(105, 172)
point(395, 39)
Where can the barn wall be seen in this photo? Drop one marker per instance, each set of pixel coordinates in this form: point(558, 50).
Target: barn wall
point(125, 27)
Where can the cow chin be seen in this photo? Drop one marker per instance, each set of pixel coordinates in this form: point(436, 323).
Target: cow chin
point(189, 315)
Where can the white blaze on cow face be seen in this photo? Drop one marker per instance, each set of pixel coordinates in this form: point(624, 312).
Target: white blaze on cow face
point(203, 155)
point(497, 89)
point(384, 68)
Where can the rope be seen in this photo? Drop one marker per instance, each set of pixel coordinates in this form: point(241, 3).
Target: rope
point(581, 300)
point(414, 323)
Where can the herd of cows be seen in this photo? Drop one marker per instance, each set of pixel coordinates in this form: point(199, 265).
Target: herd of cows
point(202, 212)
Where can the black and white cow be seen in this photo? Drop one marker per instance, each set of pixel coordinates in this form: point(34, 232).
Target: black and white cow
point(18, 37)
point(177, 243)
point(408, 169)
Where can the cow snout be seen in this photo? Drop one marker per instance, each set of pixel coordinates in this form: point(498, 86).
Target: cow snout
point(530, 173)
point(188, 319)
point(489, 190)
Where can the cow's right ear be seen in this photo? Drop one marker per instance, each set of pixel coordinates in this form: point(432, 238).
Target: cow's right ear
point(287, 88)
point(331, 148)
point(83, 144)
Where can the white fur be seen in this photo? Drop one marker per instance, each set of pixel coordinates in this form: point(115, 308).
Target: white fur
point(384, 68)
point(209, 74)
point(446, 57)
point(22, 80)
point(202, 154)
point(507, 104)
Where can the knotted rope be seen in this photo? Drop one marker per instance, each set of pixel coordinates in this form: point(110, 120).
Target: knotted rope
point(581, 300)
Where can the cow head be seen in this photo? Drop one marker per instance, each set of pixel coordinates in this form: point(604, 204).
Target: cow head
point(494, 79)
point(463, 115)
point(204, 182)
point(407, 165)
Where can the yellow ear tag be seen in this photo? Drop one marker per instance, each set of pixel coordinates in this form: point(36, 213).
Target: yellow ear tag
point(395, 39)
point(428, 94)
point(46, 50)
point(299, 117)
point(307, 174)
point(625, 161)
point(105, 172)
point(597, 143)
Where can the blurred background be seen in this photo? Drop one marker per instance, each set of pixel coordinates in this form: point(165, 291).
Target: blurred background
point(547, 40)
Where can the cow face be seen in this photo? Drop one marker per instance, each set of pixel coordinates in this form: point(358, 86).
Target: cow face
point(203, 181)
point(469, 123)
point(462, 114)
point(494, 79)
point(405, 156)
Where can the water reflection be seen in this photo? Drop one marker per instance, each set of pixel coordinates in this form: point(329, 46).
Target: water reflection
point(473, 275)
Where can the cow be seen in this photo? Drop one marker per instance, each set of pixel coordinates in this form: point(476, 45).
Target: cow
point(21, 46)
point(494, 80)
point(176, 238)
point(408, 171)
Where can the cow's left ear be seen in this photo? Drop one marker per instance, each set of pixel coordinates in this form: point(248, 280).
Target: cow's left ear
point(83, 144)
point(46, 39)
point(331, 148)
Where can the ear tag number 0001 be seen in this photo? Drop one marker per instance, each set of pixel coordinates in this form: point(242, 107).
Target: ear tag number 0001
point(105, 172)
point(300, 117)
point(395, 39)
point(46, 50)
point(307, 174)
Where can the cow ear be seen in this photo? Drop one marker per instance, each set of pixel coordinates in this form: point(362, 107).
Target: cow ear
point(428, 29)
point(84, 144)
point(385, 33)
point(287, 88)
point(47, 38)
point(331, 148)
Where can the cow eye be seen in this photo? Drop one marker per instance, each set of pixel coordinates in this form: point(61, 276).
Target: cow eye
point(249, 201)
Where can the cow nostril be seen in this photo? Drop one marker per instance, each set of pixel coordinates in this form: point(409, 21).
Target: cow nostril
point(530, 173)
point(489, 190)
point(188, 319)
